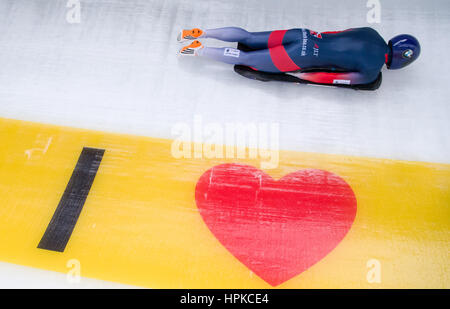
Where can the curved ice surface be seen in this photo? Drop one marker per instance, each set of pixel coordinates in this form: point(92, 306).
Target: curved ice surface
point(117, 71)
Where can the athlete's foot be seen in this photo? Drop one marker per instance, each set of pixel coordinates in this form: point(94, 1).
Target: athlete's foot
point(192, 49)
point(191, 34)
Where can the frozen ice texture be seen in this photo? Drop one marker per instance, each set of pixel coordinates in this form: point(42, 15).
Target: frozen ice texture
point(117, 71)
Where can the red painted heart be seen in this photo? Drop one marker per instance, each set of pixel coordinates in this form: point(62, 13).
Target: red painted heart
point(278, 229)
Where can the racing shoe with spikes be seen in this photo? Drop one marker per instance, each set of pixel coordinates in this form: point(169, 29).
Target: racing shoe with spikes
point(192, 49)
point(187, 35)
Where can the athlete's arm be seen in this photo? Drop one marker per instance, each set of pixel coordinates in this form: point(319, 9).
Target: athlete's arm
point(350, 78)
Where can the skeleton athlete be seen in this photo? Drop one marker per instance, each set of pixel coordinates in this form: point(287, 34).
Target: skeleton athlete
point(352, 57)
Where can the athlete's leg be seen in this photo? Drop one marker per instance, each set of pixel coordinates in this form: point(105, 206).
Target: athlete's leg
point(259, 59)
point(256, 40)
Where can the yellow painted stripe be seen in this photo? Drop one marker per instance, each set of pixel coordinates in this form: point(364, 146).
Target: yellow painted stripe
point(140, 224)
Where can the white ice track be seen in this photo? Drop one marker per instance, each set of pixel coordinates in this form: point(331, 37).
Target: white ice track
point(117, 71)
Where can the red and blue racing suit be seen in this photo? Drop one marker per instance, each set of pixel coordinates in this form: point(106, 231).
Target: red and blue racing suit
point(352, 57)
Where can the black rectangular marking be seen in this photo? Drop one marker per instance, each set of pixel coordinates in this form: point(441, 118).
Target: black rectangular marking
point(69, 208)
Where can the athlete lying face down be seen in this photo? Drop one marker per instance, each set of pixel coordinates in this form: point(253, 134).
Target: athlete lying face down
point(351, 58)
